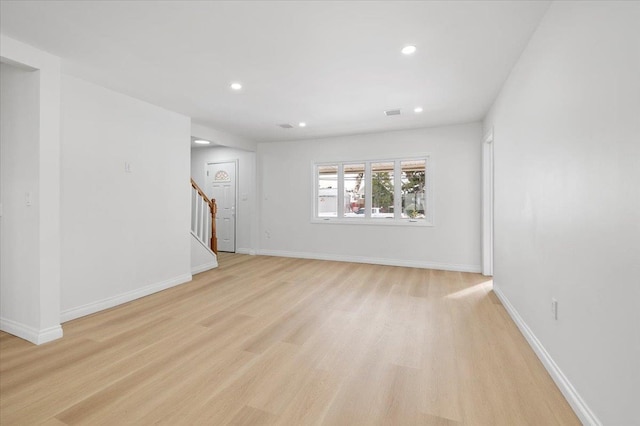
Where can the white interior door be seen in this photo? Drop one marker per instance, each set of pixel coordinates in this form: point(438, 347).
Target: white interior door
point(221, 185)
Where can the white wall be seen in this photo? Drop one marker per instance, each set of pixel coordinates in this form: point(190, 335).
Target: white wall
point(125, 235)
point(246, 205)
point(20, 227)
point(202, 258)
point(222, 138)
point(567, 201)
point(36, 169)
point(286, 195)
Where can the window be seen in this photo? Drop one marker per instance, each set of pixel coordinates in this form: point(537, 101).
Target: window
point(382, 189)
point(413, 188)
point(354, 183)
point(327, 190)
point(374, 192)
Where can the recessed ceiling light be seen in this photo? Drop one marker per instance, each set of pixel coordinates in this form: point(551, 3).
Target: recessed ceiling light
point(409, 50)
point(201, 142)
point(302, 124)
point(236, 86)
point(417, 110)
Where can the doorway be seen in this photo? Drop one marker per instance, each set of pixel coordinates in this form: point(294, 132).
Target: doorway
point(487, 204)
point(222, 185)
point(19, 197)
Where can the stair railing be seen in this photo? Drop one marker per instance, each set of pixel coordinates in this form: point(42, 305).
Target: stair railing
point(203, 217)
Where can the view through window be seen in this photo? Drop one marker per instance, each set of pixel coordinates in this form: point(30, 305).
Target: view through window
point(327, 190)
point(413, 188)
point(354, 179)
point(382, 190)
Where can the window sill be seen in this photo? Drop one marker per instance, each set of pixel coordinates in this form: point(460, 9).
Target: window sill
point(371, 221)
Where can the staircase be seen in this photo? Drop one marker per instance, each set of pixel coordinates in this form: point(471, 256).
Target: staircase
point(204, 243)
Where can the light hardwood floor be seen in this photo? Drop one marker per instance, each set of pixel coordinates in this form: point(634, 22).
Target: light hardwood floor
point(267, 340)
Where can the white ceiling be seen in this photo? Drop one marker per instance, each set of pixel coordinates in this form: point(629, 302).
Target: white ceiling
point(335, 65)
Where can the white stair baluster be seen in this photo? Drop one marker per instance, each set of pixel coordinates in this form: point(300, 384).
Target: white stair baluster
point(202, 222)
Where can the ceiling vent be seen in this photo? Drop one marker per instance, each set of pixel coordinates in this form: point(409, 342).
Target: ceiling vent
point(286, 126)
point(392, 112)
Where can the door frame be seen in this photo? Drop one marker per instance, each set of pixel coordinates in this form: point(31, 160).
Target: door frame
point(487, 203)
point(235, 195)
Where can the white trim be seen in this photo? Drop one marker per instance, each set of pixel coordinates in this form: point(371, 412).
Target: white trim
point(373, 221)
point(429, 187)
point(574, 399)
point(202, 243)
point(47, 158)
point(373, 260)
point(397, 189)
point(249, 251)
point(487, 204)
point(204, 267)
point(29, 333)
point(428, 220)
point(340, 194)
point(110, 302)
point(368, 191)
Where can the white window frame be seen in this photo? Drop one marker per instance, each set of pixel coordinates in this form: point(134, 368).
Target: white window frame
point(397, 220)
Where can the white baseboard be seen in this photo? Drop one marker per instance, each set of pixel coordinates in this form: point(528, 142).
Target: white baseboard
point(374, 260)
point(204, 267)
point(110, 302)
point(252, 252)
point(29, 333)
point(584, 413)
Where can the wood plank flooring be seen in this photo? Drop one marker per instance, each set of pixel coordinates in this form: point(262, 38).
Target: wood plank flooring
point(277, 341)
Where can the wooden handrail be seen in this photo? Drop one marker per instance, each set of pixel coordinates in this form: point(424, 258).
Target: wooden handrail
point(214, 210)
point(200, 191)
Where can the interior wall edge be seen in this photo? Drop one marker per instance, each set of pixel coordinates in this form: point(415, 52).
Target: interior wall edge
point(33, 335)
point(577, 403)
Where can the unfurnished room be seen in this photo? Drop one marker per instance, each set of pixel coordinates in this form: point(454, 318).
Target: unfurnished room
point(319, 212)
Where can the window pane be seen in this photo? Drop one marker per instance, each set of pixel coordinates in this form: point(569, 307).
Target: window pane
point(413, 189)
point(354, 194)
point(328, 191)
point(382, 189)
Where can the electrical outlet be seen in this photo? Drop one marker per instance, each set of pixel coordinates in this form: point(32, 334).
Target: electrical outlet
point(267, 234)
point(554, 308)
